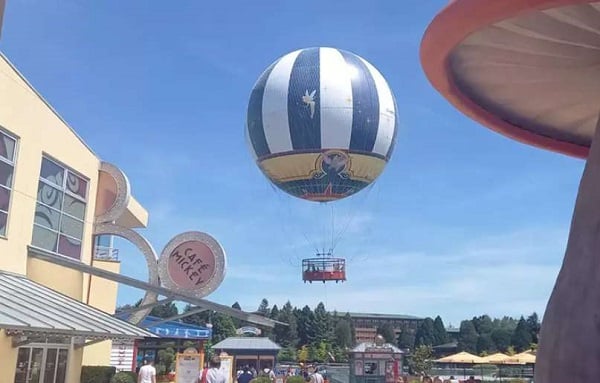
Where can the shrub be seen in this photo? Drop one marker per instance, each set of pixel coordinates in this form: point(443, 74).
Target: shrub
point(97, 374)
point(124, 377)
point(295, 379)
point(261, 379)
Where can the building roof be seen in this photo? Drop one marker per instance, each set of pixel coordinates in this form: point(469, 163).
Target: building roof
point(380, 316)
point(372, 347)
point(173, 328)
point(247, 343)
point(29, 307)
point(446, 346)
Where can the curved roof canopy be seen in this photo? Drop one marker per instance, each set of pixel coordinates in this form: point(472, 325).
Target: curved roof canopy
point(529, 69)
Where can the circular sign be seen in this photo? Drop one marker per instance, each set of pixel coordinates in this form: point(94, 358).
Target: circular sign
point(192, 263)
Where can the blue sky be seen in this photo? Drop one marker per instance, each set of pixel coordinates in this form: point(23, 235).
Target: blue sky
point(462, 222)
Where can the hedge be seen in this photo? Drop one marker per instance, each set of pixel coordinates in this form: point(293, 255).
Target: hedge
point(97, 374)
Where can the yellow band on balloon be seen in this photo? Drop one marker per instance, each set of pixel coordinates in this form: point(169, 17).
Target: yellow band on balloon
point(302, 166)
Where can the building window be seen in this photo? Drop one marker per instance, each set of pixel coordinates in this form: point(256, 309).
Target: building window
point(60, 210)
point(8, 146)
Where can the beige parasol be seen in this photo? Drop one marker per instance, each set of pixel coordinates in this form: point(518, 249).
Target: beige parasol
point(461, 358)
point(526, 357)
point(497, 358)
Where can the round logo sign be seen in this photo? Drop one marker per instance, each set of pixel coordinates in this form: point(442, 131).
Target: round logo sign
point(192, 262)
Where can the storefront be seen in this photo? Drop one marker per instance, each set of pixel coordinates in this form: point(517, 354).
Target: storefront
point(255, 352)
point(128, 355)
point(50, 330)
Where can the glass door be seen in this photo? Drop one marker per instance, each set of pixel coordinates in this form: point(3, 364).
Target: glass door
point(41, 365)
point(29, 365)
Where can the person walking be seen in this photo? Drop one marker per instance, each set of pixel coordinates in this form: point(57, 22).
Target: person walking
point(147, 373)
point(246, 376)
point(213, 373)
point(316, 376)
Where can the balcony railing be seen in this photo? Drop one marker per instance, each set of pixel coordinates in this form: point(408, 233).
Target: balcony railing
point(104, 253)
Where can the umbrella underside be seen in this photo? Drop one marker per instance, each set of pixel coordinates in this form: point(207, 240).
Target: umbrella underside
point(539, 71)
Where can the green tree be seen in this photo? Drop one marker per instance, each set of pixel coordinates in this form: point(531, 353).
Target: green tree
point(263, 308)
point(505, 322)
point(166, 361)
point(483, 324)
point(501, 338)
point(340, 355)
point(387, 332)
point(306, 332)
point(223, 327)
point(439, 332)
point(322, 352)
point(322, 324)
point(343, 334)
point(467, 337)
point(533, 323)
point(274, 314)
point(425, 333)
point(198, 319)
point(521, 337)
point(128, 306)
point(166, 310)
point(236, 322)
point(348, 318)
point(287, 354)
point(420, 361)
point(406, 339)
point(485, 344)
point(303, 354)
point(286, 336)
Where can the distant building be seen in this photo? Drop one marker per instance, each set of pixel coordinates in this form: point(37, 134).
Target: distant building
point(128, 355)
point(257, 352)
point(366, 324)
point(452, 333)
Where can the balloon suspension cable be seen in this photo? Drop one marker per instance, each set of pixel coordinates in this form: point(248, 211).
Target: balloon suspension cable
point(353, 215)
point(287, 232)
point(332, 229)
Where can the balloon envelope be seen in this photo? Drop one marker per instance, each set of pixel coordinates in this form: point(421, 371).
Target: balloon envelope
point(321, 123)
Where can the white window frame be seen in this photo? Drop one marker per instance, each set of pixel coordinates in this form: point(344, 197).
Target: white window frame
point(10, 188)
point(65, 190)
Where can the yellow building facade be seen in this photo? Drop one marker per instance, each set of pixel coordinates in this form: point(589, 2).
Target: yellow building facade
point(51, 190)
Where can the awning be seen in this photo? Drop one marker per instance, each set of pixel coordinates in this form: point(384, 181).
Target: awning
point(27, 307)
point(172, 328)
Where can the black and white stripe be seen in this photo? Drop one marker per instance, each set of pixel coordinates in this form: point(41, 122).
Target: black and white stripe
point(354, 108)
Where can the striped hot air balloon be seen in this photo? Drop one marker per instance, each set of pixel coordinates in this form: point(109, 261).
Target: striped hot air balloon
point(321, 123)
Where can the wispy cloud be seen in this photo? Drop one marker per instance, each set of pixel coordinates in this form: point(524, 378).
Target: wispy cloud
point(512, 274)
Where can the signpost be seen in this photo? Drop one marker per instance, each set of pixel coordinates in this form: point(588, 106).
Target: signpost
point(188, 366)
point(227, 366)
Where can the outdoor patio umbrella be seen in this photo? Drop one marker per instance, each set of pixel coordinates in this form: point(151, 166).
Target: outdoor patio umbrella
point(522, 358)
point(530, 69)
point(463, 358)
point(496, 358)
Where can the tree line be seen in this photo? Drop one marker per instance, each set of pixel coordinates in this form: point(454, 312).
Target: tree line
point(319, 335)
